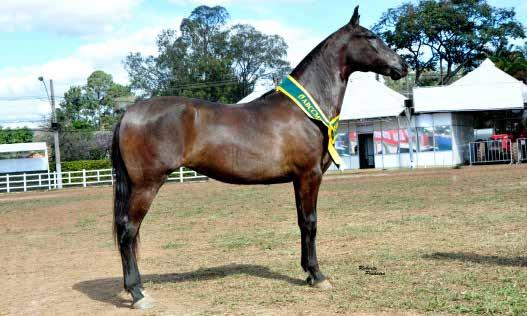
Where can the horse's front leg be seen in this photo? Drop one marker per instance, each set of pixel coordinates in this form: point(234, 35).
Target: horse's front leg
point(306, 194)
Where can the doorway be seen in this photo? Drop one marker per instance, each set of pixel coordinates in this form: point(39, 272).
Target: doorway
point(366, 151)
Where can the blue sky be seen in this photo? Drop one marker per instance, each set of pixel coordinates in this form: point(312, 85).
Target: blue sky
point(68, 39)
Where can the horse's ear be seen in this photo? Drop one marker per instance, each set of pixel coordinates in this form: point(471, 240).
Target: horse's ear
point(356, 17)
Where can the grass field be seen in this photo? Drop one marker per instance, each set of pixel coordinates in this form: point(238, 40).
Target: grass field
point(447, 241)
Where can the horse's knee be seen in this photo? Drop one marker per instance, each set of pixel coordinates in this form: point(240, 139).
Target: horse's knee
point(126, 232)
point(309, 226)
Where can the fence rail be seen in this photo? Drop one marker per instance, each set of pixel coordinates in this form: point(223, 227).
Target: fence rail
point(491, 151)
point(48, 181)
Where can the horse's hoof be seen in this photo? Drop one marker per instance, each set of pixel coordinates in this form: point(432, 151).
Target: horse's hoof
point(145, 303)
point(323, 285)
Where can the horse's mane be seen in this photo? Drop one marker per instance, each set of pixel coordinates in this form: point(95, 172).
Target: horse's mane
point(300, 68)
point(268, 93)
point(313, 54)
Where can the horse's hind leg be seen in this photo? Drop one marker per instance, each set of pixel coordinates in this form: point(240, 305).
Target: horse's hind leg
point(306, 195)
point(141, 198)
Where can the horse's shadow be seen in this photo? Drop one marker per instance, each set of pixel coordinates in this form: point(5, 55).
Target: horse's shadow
point(480, 259)
point(107, 289)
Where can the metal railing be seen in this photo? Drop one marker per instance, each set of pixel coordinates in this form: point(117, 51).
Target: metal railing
point(47, 181)
point(491, 151)
point(521, 146)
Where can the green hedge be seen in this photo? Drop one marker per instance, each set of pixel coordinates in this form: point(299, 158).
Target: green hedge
point(82, 164)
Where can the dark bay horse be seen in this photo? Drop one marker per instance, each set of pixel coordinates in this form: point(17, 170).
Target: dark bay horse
point(269, 140)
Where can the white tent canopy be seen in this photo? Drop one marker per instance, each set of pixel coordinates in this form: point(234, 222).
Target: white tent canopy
point(365, 98)
point(253, 96)
point(260, 88)
point(485, 88)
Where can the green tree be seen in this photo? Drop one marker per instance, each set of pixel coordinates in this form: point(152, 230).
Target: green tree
point(91, 106)
point(208, 60)
point(512, 60)
point(84, 111)
point(16, 135)
point(447, 36)
point(255, 56)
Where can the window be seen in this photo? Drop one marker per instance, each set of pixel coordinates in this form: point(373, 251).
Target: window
point(404, 143)
point(425, 136)
point(23, 154)
point(354, 143)
point(377, 140)
point(342, 144)
point(391, 141)
point(346, 141)
point(443, 138)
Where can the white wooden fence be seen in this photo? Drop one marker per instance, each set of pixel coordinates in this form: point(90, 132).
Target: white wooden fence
point(48, 181)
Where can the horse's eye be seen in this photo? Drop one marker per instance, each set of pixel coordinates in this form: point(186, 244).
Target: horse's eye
point(371, 37)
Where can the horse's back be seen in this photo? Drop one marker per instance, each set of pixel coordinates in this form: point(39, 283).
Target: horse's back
point(239, 143)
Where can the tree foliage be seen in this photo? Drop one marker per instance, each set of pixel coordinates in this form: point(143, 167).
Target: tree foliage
point(512, 60)
point(91, 106)
point(85, 111)
point(447, 36)
point(15, 135)
point(85, 145)
point(208, 60)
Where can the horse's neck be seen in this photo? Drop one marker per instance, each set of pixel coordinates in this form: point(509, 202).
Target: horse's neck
point(322, 77)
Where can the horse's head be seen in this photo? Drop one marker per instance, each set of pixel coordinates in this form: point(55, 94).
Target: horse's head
point(365, 51)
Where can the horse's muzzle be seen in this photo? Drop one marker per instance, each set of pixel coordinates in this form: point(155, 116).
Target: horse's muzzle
point(398, 73)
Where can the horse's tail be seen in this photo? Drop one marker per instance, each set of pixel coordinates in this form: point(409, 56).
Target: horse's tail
point(122, 187)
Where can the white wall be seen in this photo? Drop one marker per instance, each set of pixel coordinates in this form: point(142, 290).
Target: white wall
point(461, 133)
point(23, 164)
point(434, 159)
point(387, 161)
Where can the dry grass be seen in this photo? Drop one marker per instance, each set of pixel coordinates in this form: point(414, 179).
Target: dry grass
point(447, 241)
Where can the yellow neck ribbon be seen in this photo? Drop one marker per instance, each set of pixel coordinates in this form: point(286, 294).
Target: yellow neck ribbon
point(301, 97)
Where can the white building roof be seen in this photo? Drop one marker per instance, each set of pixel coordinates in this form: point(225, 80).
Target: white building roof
point(8, 148)
point(485, 88)
point(365, 98)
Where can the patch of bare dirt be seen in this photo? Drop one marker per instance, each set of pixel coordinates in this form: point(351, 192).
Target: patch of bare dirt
point(211, 248)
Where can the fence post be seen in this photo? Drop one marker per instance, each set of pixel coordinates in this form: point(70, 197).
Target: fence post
point(470, 152)
point(7, 182)
point(24, 180)
point(55, 179)
point(180, 174)
point(39, 180)
point(518, 156)
point(98, 177)
point(111, 175)
point(84, 177)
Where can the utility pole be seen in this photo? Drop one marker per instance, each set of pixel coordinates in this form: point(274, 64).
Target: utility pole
point(55, 128)
point(410, 132)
